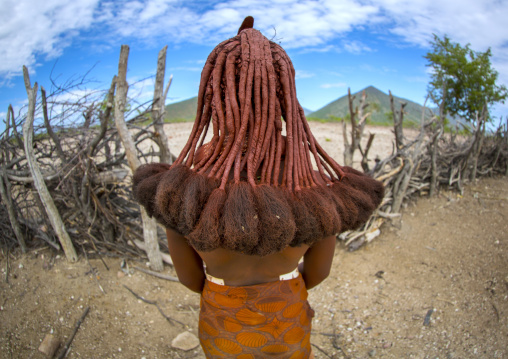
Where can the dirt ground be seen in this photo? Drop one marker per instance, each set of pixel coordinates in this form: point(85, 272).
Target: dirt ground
point(434, 284)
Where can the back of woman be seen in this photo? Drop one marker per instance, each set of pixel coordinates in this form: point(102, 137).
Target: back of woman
point(252, 215)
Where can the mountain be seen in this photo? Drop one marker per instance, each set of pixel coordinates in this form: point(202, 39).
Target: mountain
point(306, 111)
point(379, 106)
point(182, 111)
point(186, 110)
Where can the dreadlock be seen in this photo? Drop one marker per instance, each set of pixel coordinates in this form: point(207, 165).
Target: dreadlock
point(252, 189)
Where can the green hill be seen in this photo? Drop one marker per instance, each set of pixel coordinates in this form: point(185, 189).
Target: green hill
point(379, 106)
point(182, 111)
point(186, 110)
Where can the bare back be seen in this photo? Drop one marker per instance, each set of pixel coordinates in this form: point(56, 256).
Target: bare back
point(240, 269)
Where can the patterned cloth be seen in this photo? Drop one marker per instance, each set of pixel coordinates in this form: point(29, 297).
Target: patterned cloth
point(269, 320)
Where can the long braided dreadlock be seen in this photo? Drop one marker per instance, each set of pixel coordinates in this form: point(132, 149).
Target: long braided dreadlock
point(250, 188)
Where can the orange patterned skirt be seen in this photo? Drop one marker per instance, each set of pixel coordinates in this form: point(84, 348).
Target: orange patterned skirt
point(271, 320)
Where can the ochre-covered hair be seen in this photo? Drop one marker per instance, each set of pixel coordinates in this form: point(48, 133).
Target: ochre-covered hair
point(250, 188)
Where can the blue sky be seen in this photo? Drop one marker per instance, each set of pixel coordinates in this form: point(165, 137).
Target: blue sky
point(334, 44)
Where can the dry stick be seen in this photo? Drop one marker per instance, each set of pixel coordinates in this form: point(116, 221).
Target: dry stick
point(93, 240)
point(158, 275)
point(365, 163)
point(47, 200)
point(349, 149)
point(7, 267)
point(5, 195)
point(67, 345)
point(10, 110)
point(169, 319)
point(7, 137)
point(165, 94)
point(92, 270)
point(149, 224)
point(165, 257)
point(322, 351)
point(51, 134)
point(397, 122)
point(393, 172)
point(85, 183)
point(158, 107)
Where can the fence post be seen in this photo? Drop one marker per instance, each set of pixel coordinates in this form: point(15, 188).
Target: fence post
point(149, 224)
point(40, 185)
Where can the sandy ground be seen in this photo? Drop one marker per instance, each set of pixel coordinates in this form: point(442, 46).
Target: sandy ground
point(433, 285)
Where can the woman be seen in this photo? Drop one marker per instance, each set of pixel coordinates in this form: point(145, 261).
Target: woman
point(243, 209)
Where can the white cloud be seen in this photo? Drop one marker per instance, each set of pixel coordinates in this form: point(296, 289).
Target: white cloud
point(29, 29)
point(356, 47)
point(299, 23)
point(480, 23)
point(34, 30)
point(302, 74)
point(333, 85)
point(326, 48)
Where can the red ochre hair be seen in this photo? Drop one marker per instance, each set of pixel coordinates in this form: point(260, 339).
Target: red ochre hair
point(252, 189)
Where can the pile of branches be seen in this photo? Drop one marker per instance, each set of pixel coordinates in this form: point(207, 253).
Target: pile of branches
point(421, 166)
point(77, 149)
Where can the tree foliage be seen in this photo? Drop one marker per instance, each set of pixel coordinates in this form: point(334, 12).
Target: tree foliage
point(467, 77)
